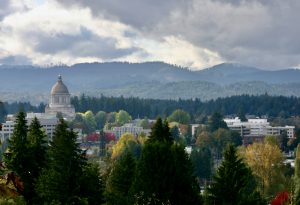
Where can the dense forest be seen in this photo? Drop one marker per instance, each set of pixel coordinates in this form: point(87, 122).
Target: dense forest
point(272, 106)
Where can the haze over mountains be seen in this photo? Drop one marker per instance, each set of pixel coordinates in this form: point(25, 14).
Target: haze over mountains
point(147, 80)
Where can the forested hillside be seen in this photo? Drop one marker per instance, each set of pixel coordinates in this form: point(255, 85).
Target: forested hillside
point(138, 107)
point(146, 80)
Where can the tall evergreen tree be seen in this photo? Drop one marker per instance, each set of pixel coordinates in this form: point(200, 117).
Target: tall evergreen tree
point(120, 180)
point(91, 185)
point(60, 181)
point(164, 172)
point(201, 158)
point(160, 132)
point(216, 121)
point(16, 159)
point(36, 145)
point(233, 182)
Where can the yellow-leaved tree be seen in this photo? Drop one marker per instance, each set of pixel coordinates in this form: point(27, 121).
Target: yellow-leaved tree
point(265, 160)
point(127, 142)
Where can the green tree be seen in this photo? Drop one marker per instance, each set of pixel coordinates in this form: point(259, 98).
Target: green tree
point(122, 117)
point(218, 140)
point(175, 133)
point(203, 163)
point(216, 121)
point(111, 117)
point(297, 177)
point(180, 116)
point(164, 171)
point(18, 154)
point(91, 185)
point(241, 115)
point(37, 147)
point(145, 124)
point(160, 132)
point(60, 181)
point(223, 137)
point(100, 119)
point(283, 138)
point(120, 180)
point(89, 119)
point(233, 182)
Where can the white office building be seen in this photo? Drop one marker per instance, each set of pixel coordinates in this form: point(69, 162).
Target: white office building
point(128, 128)
point(48, 122)
point(256, 129)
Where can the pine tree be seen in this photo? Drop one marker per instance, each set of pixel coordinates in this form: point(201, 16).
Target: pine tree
point(120, 180)
point(164, 172)
point(60, 181)
point(91, 185)
point(16, 159)
point(216, 121)
point(297, 177)
point(160, 132)
point(36, 146)
point(201, 158)
point(233, 183)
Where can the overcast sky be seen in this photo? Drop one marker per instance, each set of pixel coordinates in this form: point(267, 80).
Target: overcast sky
point(192, 33)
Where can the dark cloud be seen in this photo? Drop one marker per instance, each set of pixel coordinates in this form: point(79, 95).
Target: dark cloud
point(4, 8)
point(84, 44)
point(257, 32)
point(139, 13)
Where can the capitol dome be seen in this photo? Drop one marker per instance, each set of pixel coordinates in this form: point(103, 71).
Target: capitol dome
point(59, 87)
point(60, 100)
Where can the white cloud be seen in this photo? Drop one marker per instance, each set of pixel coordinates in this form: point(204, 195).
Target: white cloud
point(49, 33)
point(175, 50)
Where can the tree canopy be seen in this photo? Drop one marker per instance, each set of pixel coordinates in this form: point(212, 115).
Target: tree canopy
point(233, 182)
point(180, 116)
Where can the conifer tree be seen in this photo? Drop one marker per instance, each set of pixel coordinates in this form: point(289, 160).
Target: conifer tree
point(164, 172)
point(160, 132)
point(120, 180)
point(91, 185)
point(60, 181)
point(36, 146)
point(216, 121)
point(26, 154)
point(233, 183)
point(16, 159)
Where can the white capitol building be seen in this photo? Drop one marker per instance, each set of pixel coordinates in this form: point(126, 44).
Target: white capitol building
point(60, 100)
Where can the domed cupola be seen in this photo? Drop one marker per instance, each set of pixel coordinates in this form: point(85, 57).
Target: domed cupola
point(59, 87)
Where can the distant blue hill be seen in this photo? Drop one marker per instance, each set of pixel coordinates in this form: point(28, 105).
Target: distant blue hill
point(150, 79)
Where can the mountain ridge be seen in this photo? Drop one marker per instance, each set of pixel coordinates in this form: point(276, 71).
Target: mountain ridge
point(141, 78)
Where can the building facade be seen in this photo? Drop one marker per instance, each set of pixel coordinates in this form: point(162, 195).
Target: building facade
point(256, 129)
point(128, 128)
point(48, 122)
